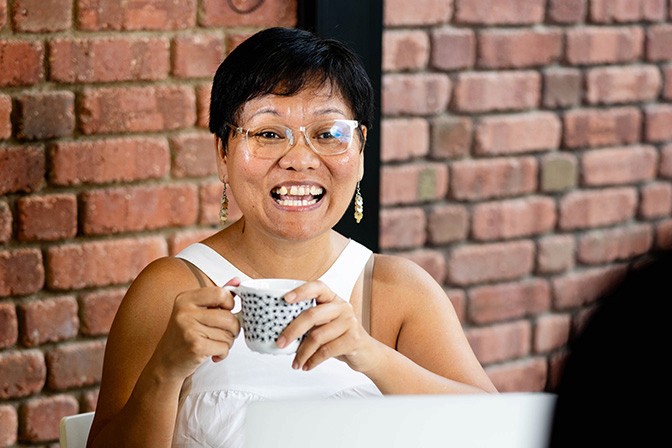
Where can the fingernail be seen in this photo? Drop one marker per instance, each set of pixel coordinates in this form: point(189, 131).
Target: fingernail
point(289, 296)
point(295, 365)
point(281, 342)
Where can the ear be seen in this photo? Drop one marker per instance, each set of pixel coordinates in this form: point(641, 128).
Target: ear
point(220, 157)
point(361, 155)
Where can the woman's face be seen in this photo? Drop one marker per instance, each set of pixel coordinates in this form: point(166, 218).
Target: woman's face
point(300, 194)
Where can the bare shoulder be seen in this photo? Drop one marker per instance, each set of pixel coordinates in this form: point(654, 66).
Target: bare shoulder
point(397, 277)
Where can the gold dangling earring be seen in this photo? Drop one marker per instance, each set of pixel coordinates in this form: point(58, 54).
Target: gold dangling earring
point(359, 205)
point(224, 210)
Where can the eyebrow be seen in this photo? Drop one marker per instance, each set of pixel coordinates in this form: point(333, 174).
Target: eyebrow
point(272, 111)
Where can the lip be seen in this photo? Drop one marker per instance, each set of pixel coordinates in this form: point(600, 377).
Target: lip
point(297, 196)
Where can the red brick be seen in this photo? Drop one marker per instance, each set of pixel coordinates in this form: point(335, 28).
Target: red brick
point(658, 118)
point(5, 223)
point(42, 16)
point(510, 134)
point(459, 301)
point(453, 48)
point(551, 332)
point(494, 12)
point(131, 209)
point(41, 417)
point(598, 45)
point(664, 234)
point(21, 63)
point(108, 59)
point(659, 43)
point(403, 138)
point(562, 87)
point(48, 320)
point(514, 218)
point(415, 94)
point(555, 253)
point(451, 137)
point(431, 261)
point(507, 301)
point(528, 375)
point(518, 48)
point(497, 91)
point(9, 329)
point(75, 365)
point(97, 310)
point(656, 200)
point(5, 116)
point(418, 182)
point(493, 178)
point(501, 342)
point(3, 21)
point(235, 38)
point(210, 198)
point(101, 263)
point(98, 15)
point(89, 401)
point(51, 217)
point(9, 421)
point(666, 161)
point(447, 223)
point(183, 238)
point(137, 109)
point(402, 228)
point(203, 105)
point(612, 85)
point(602, 127)
point(579, 288)
point(596, 208)
point(614, 244)
point(623, 165)
point(419, 12)
point(667, 71)
point(193, 155)
point(45, 115)
point(608, 11)
point(471, 264)
point(405, 50)
point(197, 55)
point(566, 11)
point(216, 13)
point(21, 373)
point(109, 160)
point(21, 272)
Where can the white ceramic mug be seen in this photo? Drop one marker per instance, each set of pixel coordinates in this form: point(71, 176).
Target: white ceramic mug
point(264, 313)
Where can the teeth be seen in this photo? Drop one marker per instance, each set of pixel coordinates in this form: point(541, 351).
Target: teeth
point(296, 202)
point(299, 190)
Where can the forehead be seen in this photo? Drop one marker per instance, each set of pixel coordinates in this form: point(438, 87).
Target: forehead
point(306, 103)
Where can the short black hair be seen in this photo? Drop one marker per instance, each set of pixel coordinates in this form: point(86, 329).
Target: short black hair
point(283, 61)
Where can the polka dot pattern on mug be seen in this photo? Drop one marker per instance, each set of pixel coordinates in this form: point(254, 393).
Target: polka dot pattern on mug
point(266, 316)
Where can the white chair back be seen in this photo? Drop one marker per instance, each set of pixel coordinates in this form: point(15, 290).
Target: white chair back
point(74, 430)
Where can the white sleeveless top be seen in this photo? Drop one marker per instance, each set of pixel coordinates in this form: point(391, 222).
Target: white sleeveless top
point(213, 411)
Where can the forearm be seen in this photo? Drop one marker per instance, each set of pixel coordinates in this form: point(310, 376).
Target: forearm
point(396, 374)
point(148, 418)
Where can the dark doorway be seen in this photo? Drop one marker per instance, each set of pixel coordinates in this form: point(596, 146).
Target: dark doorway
point(359, 24)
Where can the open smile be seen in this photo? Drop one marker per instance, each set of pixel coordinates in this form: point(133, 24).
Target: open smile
point(297, 195)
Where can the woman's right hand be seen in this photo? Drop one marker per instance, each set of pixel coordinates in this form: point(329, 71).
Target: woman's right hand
point(201, 325)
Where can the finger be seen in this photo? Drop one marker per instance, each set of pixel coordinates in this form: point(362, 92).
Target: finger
point(208, 297)
point(319, 337)
point(312, 317)
point(218, 318)
point(311, 290)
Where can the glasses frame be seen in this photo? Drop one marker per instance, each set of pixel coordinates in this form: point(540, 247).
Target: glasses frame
point(354, 124)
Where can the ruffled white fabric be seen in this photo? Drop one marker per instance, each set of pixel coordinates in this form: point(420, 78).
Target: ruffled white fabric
point(213, 409)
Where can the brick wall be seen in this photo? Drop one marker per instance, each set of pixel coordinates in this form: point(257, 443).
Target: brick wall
point(526, 148)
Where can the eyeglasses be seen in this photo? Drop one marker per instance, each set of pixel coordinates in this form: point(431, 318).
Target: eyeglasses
point(327, 138)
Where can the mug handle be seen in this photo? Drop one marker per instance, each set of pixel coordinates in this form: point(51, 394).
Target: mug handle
point(234, 290)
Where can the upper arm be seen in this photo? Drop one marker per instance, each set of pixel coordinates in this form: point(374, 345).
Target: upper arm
point(414, 315)
point(138, 325)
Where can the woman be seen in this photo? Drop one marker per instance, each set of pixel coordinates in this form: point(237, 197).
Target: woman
point(290, 113)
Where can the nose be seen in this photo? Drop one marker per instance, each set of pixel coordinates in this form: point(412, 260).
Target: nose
point(300, 156)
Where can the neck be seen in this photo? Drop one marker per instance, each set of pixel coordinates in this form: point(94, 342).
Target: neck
point(260, 255)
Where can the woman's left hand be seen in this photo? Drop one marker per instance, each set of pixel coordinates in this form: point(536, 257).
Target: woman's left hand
point(331, 330)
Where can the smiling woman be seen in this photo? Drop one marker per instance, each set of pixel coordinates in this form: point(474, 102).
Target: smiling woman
point(289, 113)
